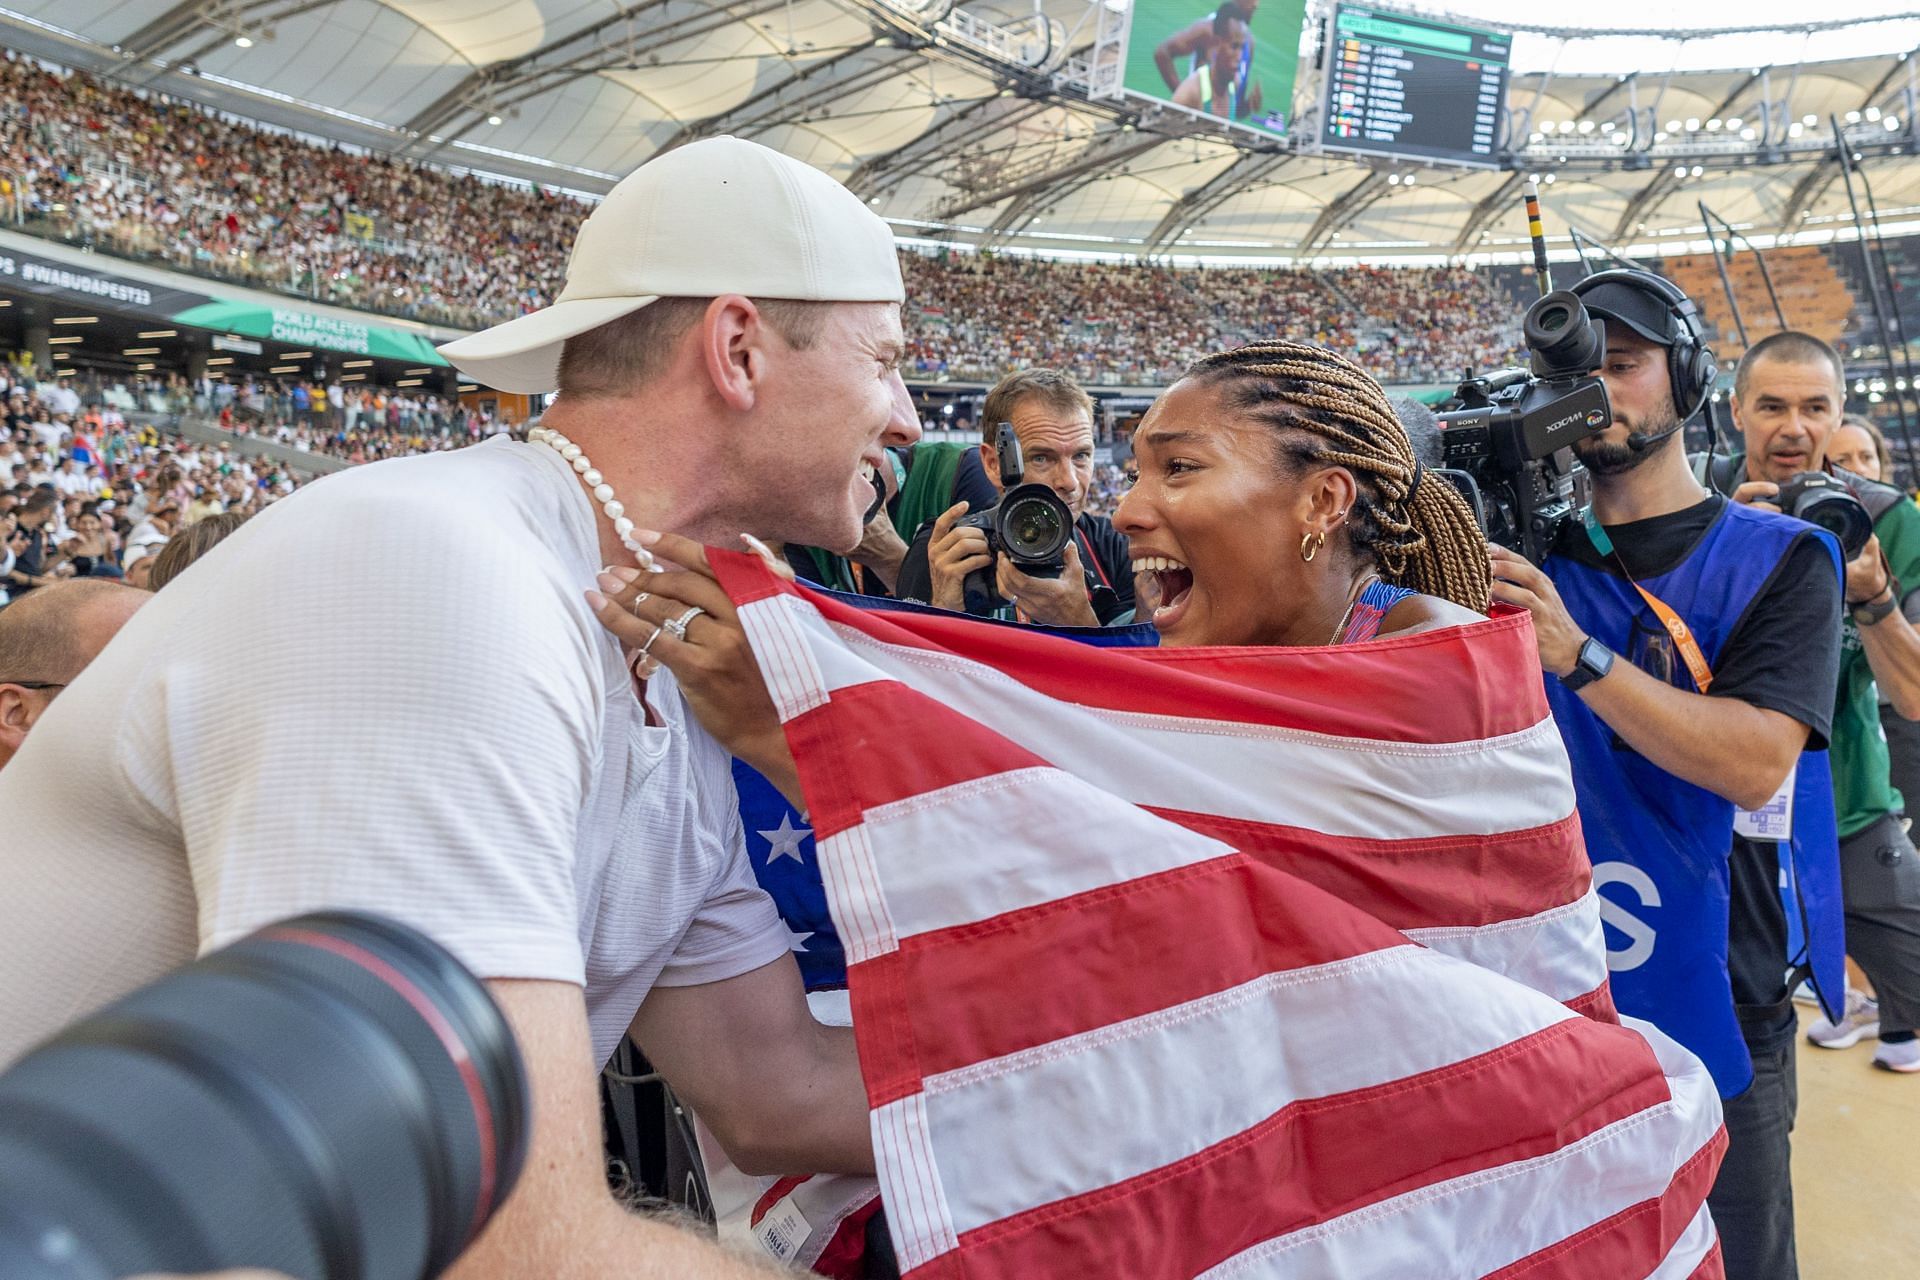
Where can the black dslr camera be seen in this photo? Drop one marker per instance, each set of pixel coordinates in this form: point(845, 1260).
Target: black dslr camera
point(1507, 439)
point(1030, 525)
point(1818, 498)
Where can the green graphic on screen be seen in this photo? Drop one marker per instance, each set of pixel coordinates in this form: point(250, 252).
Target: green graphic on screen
point(1230, 58)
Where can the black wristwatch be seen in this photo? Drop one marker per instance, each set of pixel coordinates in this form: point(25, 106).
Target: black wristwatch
point(1595, 660)
point(1866, 613)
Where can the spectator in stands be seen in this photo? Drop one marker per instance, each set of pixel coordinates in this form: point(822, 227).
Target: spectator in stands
point(172, 559)
point(37, 559)
point(46, 641)
point(1053, 418)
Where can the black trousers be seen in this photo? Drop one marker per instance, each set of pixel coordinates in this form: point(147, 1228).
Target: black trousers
point(1752, 1199)
point(1880, 874)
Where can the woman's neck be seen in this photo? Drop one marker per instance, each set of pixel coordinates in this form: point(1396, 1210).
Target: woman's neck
point(1329, 599)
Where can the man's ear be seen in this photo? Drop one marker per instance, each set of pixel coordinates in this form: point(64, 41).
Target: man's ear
point(18, 711)
point(990, 462)
point(732, 338)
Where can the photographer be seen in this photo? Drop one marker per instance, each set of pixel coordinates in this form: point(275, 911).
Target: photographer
point(1787, 401)
point(1688, 643)
point(1053, 419)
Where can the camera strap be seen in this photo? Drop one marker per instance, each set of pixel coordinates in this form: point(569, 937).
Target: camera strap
point(1683, 641)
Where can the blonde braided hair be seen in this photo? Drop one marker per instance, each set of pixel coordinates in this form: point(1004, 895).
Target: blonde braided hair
point(1419, 533)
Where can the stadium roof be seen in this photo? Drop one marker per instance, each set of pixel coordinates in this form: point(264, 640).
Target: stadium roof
point(965, 121)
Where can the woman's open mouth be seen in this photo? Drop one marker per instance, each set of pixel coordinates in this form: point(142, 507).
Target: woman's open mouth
point(1175, 581)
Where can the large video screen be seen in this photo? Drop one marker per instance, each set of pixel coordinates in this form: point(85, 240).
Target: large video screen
point(1230, 58)
point(1398, 85)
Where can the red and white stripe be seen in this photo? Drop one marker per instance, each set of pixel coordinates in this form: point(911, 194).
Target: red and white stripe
point(1247, 963)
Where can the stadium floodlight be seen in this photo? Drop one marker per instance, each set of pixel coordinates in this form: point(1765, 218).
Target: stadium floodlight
point(1550, 178)
point(1566, 126)
point(1795, 129)
point(493, 119)
point(243, 42)
point(1661, 136)
point(1693, 124)
point(1393, 179)
point(1734, 123)
point(1891, 122)
point(1534, 178)
point(1697, 171)
point(1873, 113)
point(1809, 121)
point(1713, 125)
point(1679, 171)
point(1536, 137)
point(1586, 126)
point(1853, 117)
point(1673, 126)
point(1548, 126)
point(1409, 180)
point(1748, 135)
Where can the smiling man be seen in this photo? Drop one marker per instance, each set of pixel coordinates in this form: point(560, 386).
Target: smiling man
point(389, 693)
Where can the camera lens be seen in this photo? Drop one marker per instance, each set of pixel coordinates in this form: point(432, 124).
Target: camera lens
point(1035, 524)
point(333, 1096)
point(1824, 502)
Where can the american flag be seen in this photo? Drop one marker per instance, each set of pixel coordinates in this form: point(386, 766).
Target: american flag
point(1173, 963)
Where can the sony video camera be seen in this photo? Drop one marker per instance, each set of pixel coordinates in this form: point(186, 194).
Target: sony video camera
point(1507, 441)
point(1030, 525)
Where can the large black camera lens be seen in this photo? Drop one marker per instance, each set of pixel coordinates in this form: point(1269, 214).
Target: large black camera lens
point(1817, 498)
point(334, 1097)
point(1035, 525)
point(1562, 336)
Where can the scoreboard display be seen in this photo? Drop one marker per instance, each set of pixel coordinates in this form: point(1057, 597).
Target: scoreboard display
point(1398, 85)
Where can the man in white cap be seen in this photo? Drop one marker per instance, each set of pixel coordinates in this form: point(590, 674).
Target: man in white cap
point(389, 693)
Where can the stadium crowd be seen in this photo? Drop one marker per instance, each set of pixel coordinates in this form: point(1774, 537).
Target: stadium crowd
point(975, 316)
point(87, 161)
point(85, 491)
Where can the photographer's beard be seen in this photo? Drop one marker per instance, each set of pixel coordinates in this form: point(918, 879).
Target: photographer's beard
point(1605, 457)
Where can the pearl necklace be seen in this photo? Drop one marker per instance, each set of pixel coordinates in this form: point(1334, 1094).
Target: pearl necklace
point(597, 486)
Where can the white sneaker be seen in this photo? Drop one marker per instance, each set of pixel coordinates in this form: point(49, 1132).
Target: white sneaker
point(1862, 1020)
point(1904, 1058)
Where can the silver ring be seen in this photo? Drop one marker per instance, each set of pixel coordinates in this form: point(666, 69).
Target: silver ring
point(639, 600)
point(678, 626)
point(650, 639)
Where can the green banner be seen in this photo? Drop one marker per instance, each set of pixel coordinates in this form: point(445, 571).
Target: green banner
point(305, 329)
point(1387, 31)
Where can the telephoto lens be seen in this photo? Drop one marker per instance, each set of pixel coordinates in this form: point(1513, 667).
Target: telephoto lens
point(333, 1097)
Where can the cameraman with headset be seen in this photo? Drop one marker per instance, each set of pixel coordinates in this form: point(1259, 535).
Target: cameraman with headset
point(1688, 641)
point(1053, 419)
point(1789, 393)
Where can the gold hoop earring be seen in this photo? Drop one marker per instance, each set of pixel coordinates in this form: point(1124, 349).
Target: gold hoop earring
point(1310, 544)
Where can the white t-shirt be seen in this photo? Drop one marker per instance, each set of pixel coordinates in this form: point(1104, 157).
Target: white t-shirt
point(386, 692)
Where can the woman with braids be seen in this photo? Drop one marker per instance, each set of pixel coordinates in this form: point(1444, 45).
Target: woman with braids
point(1279, 503)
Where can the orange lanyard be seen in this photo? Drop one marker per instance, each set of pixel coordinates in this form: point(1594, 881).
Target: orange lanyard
point(1683, 641)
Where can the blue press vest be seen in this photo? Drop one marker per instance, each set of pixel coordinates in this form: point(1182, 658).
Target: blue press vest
point(1660, 844)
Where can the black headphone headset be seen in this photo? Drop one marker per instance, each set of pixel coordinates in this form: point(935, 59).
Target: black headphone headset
point(1691, 367)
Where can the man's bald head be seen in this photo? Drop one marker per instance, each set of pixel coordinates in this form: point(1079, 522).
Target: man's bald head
point(48, 638)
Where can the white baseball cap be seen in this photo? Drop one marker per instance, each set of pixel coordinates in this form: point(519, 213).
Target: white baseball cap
point(722, 215)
